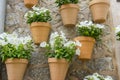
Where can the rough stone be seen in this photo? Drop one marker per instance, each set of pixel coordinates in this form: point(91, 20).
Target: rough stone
point(103, 55)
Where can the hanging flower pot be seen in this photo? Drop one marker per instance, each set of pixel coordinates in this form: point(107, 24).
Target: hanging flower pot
point(40, 31)
point(15, 52)
point(16, 68)
point(39, 25)
point(69, 14)
point(87, 46)
point(60, 52)
point(58, 68)
point(30, 3)
point(88, 33)
point(99, 9)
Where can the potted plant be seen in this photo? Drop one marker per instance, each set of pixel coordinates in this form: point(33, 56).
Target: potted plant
point(97, 76)
point(60, 52)
point(99, 9)
point(15, 52)
point(69, 11)
point(117, 31)
point(30, 3)
point(88, 34)
point(39, 25)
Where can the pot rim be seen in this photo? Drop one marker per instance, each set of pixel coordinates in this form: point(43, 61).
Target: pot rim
point(99, 1)
point(44, 24)
point(16, 60)
point(69, 6)
point(84, 38)
point(54, 60)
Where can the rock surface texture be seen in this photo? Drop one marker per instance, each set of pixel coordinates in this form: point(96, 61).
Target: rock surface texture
point(103, 59)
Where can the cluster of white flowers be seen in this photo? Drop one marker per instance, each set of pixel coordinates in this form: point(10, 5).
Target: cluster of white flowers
point(65, 41)
point(36, 10)
point(13, 39)
point(117, 29)
point(96, 76)
point(88, 24)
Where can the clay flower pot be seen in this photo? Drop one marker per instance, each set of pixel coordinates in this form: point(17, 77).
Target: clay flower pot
point(40, 31)
point(99, 9)
point(87, 46)
point(58, 68)
point(69, 14)
point(30, 3)
point(16, 68)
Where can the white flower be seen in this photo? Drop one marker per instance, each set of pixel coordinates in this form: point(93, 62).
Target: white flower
point(35, 8)
point(69, 43)
point(43, 44)
point(53, 35)
point(85, 23)
point(37, 13)
point(78, 43)
point(99, 26)
point(43, 9)
point(13, 39)
point(96, 76)
point(89, 24)
point(78, 51)
point(63, 36)
point(3, 35)
point(108, 78)
point(2, 42)
point(52, 38)
point(117, 29)
point(26, 15)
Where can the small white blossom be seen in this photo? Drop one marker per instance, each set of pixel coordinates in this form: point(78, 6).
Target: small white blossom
point(100, 26)
point(85, 23)
point(68, 44)
point(13, 39)
point(117, 29)
point(35, 8)
point(78, 43)
point(78, 51)
point(89, 24)
point(96, 76)
point(43, 9)
point(3, 35)
point(108, 78)
point(43, 44)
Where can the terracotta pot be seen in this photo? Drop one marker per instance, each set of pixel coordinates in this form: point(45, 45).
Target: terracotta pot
point(16, 68)
point(40, 31)
point(30, 3)
point(69, 14)
point(87, 47)
point(99, 9)
point(58, 68)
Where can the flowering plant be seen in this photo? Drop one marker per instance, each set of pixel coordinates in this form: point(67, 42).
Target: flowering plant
point(96, 76)
point(117, 31)
point(60, 47)
point(38, 15)
point(62, 2)
point(87, 28)
point(13, 47)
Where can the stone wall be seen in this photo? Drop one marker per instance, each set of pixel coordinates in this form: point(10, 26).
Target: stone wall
point(103, 60)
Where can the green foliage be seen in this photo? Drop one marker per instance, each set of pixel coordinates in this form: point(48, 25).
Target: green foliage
point(90, 31)
point(38, 15)
point(60, 51)
point(62, 2)
point(11, 51)
point(42, 17)
point(118, 35)
point(59, 47)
